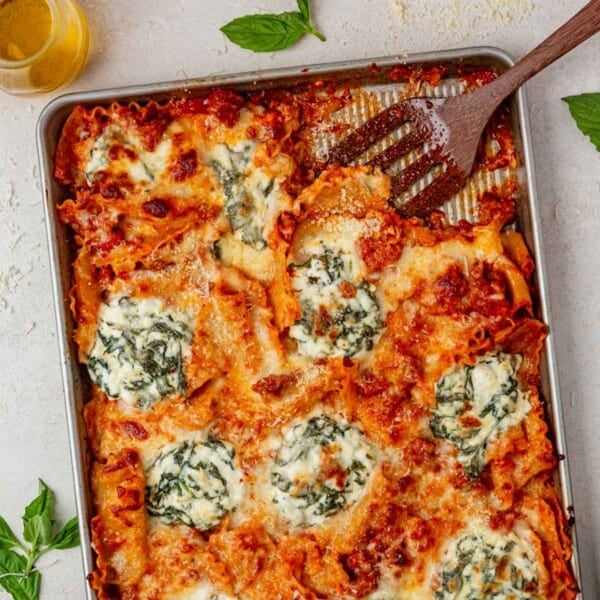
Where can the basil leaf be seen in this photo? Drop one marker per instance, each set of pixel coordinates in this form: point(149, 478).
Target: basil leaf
point(43, 504)
point(304, 8)
point(263, 33)
point(37, 519)
point(270, 32)
point(68, 536)
point(298, 20)
point(12, 565)
point(585, 109)
point(7, 537)
point(38, 530)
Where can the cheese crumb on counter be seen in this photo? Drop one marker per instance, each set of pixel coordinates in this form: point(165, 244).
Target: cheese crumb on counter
point(461, 18)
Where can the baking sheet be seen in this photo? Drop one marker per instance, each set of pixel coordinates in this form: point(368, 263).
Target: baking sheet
point(382, 92)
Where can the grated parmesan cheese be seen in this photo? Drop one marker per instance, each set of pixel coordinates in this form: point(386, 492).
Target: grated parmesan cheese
point(461, 18)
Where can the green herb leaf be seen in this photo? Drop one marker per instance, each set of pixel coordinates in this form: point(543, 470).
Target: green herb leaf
point(38, 530)
point(18, 575)
point(67, 537)
point(270, 32)
point(585, 109)
point(37, 519)
point(19, 586)
point(263, 33)
point(304, 8)
point(42, 505)
point(7, 537)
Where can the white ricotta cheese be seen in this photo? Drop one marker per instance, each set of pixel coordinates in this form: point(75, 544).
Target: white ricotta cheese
point(98, 158)
point(252, 196)
point(476, 403)
point(194, 482)
point(139, 350)
point(487, 564)
point(321, 467)
point(340, 317)
point(141, 166)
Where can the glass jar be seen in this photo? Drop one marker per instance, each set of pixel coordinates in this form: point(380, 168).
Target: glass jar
point(43, 44)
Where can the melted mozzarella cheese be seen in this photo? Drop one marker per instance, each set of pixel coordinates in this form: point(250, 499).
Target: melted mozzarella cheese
point(389, 588)
point(266, 335)
point(140, 165)
point(257, 264)
point(427, 263)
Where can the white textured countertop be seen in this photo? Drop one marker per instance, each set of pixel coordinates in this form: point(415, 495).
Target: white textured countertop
point(142, 41)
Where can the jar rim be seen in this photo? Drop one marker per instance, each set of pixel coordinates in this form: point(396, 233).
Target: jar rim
point(30, 60)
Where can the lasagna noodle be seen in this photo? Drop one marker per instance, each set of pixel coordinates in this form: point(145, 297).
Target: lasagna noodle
point(119, 529)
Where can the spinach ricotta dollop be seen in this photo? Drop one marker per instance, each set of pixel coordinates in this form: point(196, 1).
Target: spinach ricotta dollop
point(195, 483)
point(139, 165)
point(475, 403)
point(340, 317)
point(139, 350)
point(322, 466)
point(249, 192)
point(488, 564)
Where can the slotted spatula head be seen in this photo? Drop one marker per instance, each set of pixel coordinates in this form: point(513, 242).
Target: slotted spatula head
point(433, 135)
point(447, 130)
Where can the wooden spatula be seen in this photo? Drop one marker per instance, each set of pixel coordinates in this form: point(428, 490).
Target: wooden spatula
point(451, 127)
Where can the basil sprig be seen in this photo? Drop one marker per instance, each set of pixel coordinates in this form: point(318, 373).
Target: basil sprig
point(585, 109)
point(18, 575)
point(269, 32)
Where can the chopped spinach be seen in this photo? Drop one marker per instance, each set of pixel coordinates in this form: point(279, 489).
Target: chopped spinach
point(321, 467)
point(340, 317)
point(98, 159)
point(139, 351)
point(192, 482)
point(246, 197)
point(147, 171)
point(474, 403)
point(476, 568)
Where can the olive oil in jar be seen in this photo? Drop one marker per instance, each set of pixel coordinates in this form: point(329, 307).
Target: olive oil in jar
point(43, 44)
point(25, 28)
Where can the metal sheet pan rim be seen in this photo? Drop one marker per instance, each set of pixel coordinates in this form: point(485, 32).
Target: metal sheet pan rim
point(257, 78)
point(546, 314)
point(75, 445)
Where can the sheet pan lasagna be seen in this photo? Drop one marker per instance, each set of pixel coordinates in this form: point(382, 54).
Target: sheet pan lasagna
point(294, 392)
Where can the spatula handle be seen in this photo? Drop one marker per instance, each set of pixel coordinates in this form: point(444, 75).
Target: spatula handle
point(574, 32)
